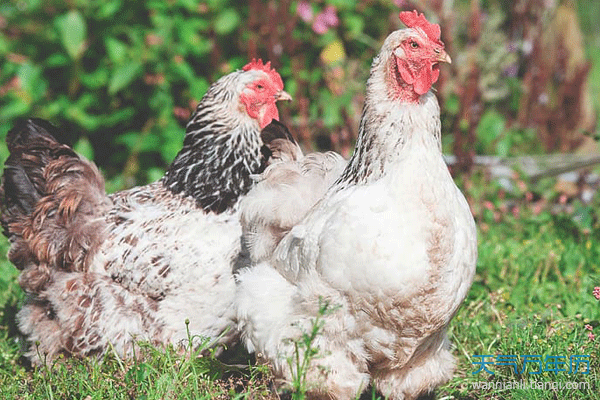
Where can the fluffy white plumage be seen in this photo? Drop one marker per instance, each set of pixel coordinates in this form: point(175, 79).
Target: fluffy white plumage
point(285, 191)
point(392, 245)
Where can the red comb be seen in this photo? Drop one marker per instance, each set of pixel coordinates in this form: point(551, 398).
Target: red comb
point(258, 65)
point(413, 19)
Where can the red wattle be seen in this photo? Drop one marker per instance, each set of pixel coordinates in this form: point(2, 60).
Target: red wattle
point(421, 79)
point(424, 81)
point(405, 72)
point(270, 113)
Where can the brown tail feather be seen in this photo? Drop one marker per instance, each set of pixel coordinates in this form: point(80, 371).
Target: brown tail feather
point(51, 201)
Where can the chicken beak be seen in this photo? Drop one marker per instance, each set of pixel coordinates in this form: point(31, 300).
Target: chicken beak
point(442, 56)
point(283, 95)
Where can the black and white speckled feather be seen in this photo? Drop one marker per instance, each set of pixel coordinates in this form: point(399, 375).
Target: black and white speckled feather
point(220, 151)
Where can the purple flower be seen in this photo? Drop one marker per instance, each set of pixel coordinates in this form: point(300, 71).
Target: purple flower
point(319, 26)
point(305, 11)
point(511, 70)
point(325, 19)
point(330, 17)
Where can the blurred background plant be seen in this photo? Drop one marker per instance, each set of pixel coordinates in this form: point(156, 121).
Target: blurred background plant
point(121, 78)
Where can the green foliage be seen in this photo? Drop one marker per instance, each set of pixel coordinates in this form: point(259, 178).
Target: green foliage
point(107, 71)
point(532, 295)
point(10, 292)
point(305, 351)
point(125, 75)
point(493, 137)
point(73, 32)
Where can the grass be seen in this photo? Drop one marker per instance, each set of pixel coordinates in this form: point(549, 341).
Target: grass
point(532, 295)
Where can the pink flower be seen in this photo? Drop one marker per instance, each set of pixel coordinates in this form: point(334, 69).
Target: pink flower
point(516, 212)
point(330, 16)
point(325, 19)
point(591, 336)
point(488, 205)
point(319, 26)
point(399, 3)
point(597, 292)
point(588, 327)
point(305, 11)
point(562, 199)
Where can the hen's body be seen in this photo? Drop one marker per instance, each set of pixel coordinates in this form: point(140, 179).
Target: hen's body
point(391, 247)
point(102, 271)
point(142, 283)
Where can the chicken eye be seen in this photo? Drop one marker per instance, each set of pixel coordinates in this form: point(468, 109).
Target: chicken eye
point(414, 45)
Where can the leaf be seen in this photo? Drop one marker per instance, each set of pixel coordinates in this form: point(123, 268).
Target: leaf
point(198, 88)
point(57, 60)
point(153, 174)
point(355, 24)
point(490, 127)
point(123, 76)
point(84, 147)
point(216, 4)
point(4, 48)
point(136, 141)
point(16, 108)
point(188, 33)
point(95, 79)
point(81, 117)
point(108, 9)
point(349, 4)
point(32, 81)
point(331, 111)
point(73, 31)
point(227, 21)
point(118, 116)
point(184, 70)
point(452, 104)
point(115, 49)
point(190, 5)
point(173, 137)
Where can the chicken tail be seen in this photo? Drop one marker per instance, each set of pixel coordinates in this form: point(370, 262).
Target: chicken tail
point(279, 144)
point(31, 147)
point(287, 189)
point(50, 197)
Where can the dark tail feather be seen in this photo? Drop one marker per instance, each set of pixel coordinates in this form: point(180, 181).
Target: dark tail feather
point(19, 192)
point(30, 131)
point(276, 130)
point(31, 147)
point(279, 144)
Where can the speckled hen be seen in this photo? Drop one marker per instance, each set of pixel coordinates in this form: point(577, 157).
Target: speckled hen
point(391, 246)
point(104, 270)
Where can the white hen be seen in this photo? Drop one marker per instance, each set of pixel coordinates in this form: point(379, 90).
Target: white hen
point(392, 244)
